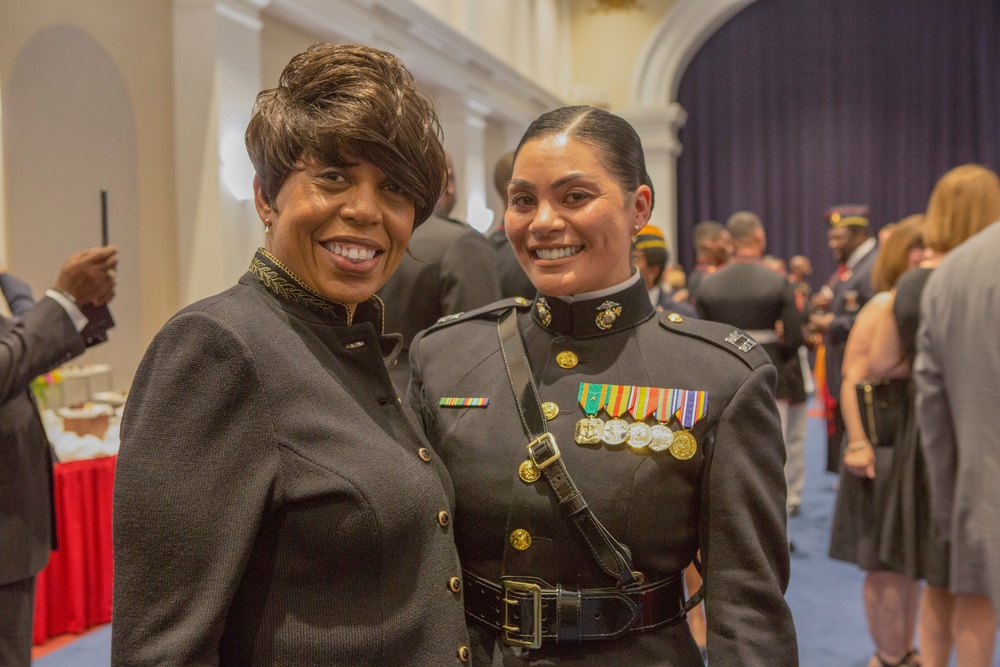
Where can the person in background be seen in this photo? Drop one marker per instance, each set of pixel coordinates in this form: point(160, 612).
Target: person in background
point(650, 256)
point(859, 534)
point(712, 246)
point(275, 503)
point(15, 295)
point(956, 369)
point(746, 294)
point(449, 268)
point(513, 280)
point(41, 338)
point(588, 392)
point(835, 309)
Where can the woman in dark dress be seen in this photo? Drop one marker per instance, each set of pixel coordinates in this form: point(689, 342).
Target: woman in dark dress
point(275, 503)
point(666, 425)
point(964, 201)
point(891, 595)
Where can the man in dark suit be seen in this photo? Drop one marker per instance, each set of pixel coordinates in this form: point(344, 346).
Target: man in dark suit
point(748, 295)
point(712, 246)
point(45, 336)
point(16, 295)
point(513, 280)
point(855, 251)
point(449, 268)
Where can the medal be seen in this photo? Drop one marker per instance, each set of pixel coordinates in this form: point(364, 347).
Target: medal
point(665, 404)
point(640, 434)
point(693, 406)
point(607, 313)
point(684, 445)
point(590, 429)
point(528, 472)
point(616, 429)
point(662, 437)
point(640, 404)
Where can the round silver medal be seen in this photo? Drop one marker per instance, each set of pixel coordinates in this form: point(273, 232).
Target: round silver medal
point(639, 435)
point(615, 431)
point(662, 438)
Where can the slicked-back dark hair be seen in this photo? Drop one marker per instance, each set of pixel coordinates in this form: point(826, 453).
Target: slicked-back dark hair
point(339, 102)
point(616, 141)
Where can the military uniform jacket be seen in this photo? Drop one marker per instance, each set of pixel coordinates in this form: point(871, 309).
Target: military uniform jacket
point(450, 268)
point(728, 499)
point(850, 293)
point(748, 295)
point(42, 340)
point(275, 503)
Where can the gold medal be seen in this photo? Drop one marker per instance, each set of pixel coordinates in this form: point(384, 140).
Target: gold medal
point(639, 435)
point(589, 431)
point(684, 445)
point(528, 472)
point(662, 438)
point(550, 410)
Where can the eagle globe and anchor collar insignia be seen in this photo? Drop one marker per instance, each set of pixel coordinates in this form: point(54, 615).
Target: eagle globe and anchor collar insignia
point(607, 315)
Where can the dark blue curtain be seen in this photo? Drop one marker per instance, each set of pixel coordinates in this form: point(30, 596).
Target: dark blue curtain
point(796, 105)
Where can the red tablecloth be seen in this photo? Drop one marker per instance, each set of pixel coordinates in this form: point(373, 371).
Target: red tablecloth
point(73, 592)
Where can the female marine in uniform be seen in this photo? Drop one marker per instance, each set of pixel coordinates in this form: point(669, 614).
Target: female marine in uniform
point(583, 492)
point(274, 502)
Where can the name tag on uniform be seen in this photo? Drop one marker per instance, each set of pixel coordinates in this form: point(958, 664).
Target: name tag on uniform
point(454, 402)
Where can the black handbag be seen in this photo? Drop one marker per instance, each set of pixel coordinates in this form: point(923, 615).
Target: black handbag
point(883, 405)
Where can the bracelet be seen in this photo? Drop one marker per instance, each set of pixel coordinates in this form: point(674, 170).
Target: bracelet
point(855, 446)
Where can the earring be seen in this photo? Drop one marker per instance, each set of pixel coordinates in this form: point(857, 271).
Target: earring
point(267, 226)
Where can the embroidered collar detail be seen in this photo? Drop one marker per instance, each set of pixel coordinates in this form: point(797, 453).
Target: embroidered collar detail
point(282, 282)
point(595, 317)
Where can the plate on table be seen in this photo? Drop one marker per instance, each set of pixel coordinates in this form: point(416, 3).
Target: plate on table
point(113, 398)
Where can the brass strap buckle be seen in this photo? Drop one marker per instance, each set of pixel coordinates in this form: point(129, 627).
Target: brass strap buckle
point(536, 625)
point(544, 444)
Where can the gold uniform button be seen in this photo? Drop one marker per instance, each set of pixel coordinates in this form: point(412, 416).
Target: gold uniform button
point(520, 539)
point(675, 318)
point(424, 454)
point(454, 584)
point(550, 410)
point(444, 518)
point(567, 359)
point(463, 653)
point(528, 472)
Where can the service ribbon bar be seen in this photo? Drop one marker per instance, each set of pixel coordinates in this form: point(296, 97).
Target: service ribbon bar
point(449, 402)
point(641, 402)
point(618, 401)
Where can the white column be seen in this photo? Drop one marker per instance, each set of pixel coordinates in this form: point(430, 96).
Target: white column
point(463, 119)
point(657, 128)
point(217, 75)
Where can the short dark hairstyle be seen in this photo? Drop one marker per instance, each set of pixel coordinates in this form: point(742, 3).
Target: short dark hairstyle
point(742, 225)
point(706, 230)
point(615, 139)
point(343, 101)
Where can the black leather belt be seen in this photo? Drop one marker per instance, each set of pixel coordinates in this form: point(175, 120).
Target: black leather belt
point(526, 610)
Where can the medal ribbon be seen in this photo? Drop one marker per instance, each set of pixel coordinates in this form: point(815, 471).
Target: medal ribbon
point(693, 406)
point(667, 404)
point(618, 400)
point(642, 401)
point(592, 397)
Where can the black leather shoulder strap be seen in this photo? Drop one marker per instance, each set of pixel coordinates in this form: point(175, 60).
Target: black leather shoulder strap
point(613, 557)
